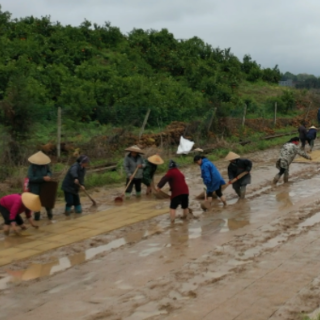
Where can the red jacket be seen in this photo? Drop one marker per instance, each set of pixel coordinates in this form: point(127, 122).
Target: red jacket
point(176, 181)
point(14, 205)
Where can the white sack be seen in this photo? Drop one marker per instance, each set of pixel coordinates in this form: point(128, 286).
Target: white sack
point(185, 146)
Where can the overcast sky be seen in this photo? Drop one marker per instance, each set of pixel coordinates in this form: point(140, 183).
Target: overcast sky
point(283, 32)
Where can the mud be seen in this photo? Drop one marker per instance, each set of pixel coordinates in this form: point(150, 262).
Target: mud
point(255, 259)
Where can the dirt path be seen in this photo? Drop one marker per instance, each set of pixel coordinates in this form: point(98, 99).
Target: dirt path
point(256, 259)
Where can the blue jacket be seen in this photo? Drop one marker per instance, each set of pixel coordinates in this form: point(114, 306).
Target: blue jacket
point(312, 134)
point(211, 176)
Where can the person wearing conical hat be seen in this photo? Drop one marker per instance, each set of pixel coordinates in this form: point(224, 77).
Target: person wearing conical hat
point(311, 136)
point(236, 167)
point(73, 182)
point(39, 172)
point(11, 206)
point(133, 161)
point(150, 170)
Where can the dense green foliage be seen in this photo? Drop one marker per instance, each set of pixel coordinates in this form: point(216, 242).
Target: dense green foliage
point(303, 80)
point(97, 73)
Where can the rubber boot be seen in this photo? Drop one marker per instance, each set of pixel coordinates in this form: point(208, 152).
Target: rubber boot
point(276, 178)
point(67, 211)
point(49, 214)
point(286, 178)
point(37, 216)
point(128, 195)
point(138, 194)
point(78, 209)
point(242, 192)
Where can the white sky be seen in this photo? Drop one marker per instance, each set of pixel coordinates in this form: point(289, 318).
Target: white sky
point(282, 32)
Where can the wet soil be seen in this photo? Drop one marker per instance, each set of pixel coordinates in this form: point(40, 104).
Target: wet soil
point(255, 259)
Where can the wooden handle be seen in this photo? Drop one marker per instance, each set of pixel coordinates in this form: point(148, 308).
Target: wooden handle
point(235, 179)
point(135, 172)
point(239, 177)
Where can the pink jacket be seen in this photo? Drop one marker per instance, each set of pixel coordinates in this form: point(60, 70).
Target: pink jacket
point(14, 205)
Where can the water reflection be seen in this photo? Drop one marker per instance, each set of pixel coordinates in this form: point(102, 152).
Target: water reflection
point(35, 271)
point(284, 199)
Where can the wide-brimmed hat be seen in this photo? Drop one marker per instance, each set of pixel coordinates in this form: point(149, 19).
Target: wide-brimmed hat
point(155, 159)
point(231, 156)
point(134, 149)
point(31, 201)
point(39, 158)
point(313, 127)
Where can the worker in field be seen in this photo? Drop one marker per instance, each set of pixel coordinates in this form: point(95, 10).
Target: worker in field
point(287, 154)
point(73, 182)
point(311, 136)
point(303, 134)
point(236, 167)
point(133, 166)
point(12, 205)
point(211, 178)
point(151, 165)
point(38, 173)
point(179, 190)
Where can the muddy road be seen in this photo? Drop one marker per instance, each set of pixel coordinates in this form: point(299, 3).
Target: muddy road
point(255, 259)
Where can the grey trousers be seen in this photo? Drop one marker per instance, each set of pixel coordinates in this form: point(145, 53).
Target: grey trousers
point(240, 191)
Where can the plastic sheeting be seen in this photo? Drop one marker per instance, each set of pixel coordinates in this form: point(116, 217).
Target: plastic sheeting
point(185, 146)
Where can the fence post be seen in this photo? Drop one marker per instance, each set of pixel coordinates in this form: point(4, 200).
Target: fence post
point(211, 119)
point(144, 123)
point(275, 114)
point(244, 114)
point(308, 111)
point(59, 133)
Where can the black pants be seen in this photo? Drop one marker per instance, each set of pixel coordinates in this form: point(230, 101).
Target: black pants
point(6, 216)
point(218, 193)
point(136, 183)
point(182, 199)
point(71, 199)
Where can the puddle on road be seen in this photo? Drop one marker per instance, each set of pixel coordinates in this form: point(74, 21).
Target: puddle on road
point(42, 270)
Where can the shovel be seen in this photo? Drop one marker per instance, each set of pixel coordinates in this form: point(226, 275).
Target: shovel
point(205, 205)
point(202, 194)
point(88, 195)
point(234, 180)
point(120, 199)
point(160, 194)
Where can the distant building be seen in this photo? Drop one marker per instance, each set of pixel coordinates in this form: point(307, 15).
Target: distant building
point(287, 83)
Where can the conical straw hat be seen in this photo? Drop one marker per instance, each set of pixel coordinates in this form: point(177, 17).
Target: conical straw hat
point(39, 158)
point(232, 156)
point(134, 149)
point(155, 159)
point(313, 127)
point(31, 201)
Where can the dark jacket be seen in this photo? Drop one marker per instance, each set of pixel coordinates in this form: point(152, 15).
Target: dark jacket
point(312, 134)
point(237, 167)
point(211, 176)
point(302, 132)
point(148, 173)
point(35, 175)
point(75, 172)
